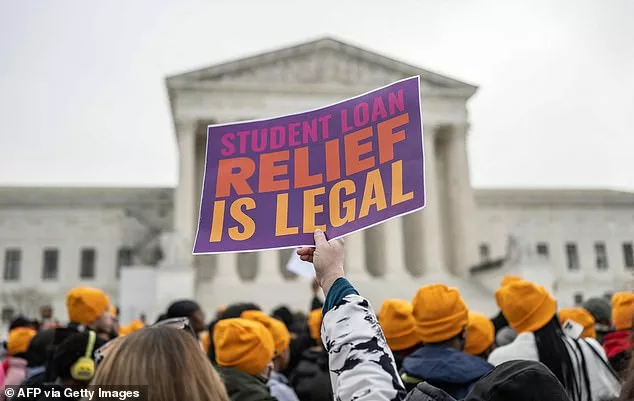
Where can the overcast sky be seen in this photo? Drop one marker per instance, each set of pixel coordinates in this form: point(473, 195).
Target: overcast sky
point(83, 102)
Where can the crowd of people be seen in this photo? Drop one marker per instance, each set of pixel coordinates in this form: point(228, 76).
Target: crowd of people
point(432, 348)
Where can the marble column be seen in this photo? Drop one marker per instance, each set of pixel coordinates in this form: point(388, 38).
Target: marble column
point(394, 248)
point(184, 202)
point(460, 201)
point(268, 265)
point(430, 217)
point(227, 269)
point(354, 265)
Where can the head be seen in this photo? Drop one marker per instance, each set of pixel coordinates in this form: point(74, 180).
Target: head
point(399, 326)
point(189, 309)
point(480, 335)
point(244, 345)
point(600, 309)
point(284, 314)
point(20, 321)
point(441, 316)
point(580, 316)
point(623, 310)
point(235, 310)
point(90, 307)
point(73, 361)
point(280, 334)
point(315, 318)
point(166, 359)
point(527, 306)
point(46, 312)
point(18, 341)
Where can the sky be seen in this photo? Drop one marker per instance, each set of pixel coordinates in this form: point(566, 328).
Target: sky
point(83, 99)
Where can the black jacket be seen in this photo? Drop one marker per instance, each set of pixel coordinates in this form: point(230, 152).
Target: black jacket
point(311, 377)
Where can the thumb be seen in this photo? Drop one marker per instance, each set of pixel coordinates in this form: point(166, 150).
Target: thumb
point(320, 238)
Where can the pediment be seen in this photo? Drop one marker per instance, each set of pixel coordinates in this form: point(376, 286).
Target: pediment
point(325, 61)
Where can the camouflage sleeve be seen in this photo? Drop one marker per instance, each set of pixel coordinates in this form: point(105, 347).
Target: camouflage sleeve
point(361, 364)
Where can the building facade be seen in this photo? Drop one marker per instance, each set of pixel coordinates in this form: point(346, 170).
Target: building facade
point(56, 238)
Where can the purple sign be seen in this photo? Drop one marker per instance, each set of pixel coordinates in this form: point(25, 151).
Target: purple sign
point(271, 183)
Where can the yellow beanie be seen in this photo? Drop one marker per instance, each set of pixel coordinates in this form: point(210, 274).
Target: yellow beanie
point(134, 326)
point(397, 321)
point(19, 340)
point(622, 310)
point(440, 313)
point(581, 316)
point(314, 324)
point(526, 306)
point(508, 279)
point(480, 334)
point(281, 336)
point(85, 304)
point(243, 344)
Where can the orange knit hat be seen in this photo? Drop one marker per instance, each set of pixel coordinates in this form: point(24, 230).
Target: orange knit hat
point(281, 336)
point(243, 344)
point(397, 321)
point(85, 305)
point(509, 278)
point(622, 310)
point(480, 334)
point(19, 340)
point(440, 313)
point(581, 316)
point(314, 323)
point(526, 306)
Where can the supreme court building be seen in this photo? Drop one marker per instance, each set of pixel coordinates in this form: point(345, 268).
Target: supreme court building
point(582, 238)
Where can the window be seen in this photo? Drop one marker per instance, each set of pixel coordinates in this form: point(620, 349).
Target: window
point(124, 258)
point(12, 259)
point(485, 252)
point(87, 268)
point(601, 255)
point(7, 314)
point(542, 249)
point(628, 255)
point(578, 298)
point(572, 256)
point(49, 270)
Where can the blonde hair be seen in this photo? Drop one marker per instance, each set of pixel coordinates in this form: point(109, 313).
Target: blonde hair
point(167, 360)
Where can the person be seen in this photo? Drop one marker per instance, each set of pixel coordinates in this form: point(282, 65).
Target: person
point(278, 382)
point(47, 319)
point(17, 344)
point(601, 311)
point(579, 364)
point(441, 320)
point(116, 326)
point(618, 344)
point(480, 339)
point(189, 309)
point(581, 317)
point(166, 360)
point(397, 321)
point(226, 312)
point(89, 309)
point(244, 352)
point(361, 364)
point(311, 377)
point(499, 321)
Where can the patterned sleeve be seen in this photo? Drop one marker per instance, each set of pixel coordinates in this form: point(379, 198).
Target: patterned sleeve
point(361, 364)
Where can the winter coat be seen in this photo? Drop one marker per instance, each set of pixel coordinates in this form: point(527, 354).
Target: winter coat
point(426, 392)
point(14, 375)
point(242, 386)
point(603, 384)
point(311, 379)
point(446, 368)
point(361, 364)
point(279, 388)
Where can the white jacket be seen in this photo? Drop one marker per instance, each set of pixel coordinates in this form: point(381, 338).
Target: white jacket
point(603, 385)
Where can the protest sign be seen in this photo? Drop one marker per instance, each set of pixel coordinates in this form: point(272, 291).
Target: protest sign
point(271, 183)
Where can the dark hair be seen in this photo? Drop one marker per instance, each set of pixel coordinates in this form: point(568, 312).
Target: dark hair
point(184, 308)
point(66, 354)
point(20, 321)
point(284, 314)
point(235, 310)
point(553, 352)
point(38, 351)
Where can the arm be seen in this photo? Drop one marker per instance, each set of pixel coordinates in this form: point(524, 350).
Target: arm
point(362, 367)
